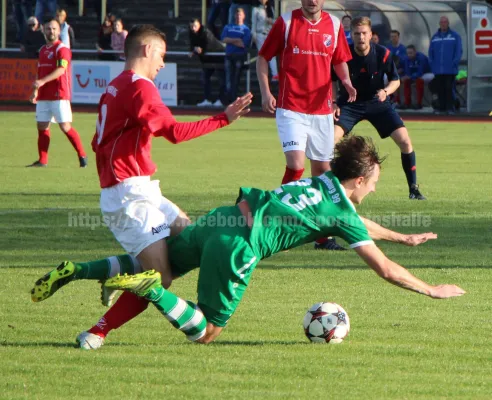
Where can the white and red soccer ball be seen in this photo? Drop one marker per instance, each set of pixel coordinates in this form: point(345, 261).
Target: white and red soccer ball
point(326, 323)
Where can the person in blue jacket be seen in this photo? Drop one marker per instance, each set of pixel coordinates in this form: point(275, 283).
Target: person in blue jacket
point(346, 20)
point(445, 53)
point(237, 38)
point(416, 70)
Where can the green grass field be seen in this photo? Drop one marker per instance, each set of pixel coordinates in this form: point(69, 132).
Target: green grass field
point(402, 345)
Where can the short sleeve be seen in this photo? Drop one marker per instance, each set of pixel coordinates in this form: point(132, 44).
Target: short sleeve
point(352, 230)
point(63, 57)
point(275, 41)
point(342, 51)
point(389, 67)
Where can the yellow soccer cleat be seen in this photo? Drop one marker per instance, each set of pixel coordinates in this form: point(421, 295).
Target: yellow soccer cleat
point(140, 284)
point(47, 285)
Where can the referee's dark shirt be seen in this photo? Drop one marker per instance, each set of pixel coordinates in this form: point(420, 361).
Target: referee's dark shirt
point(367, 74)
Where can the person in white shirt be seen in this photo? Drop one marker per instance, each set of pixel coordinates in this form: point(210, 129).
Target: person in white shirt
point(261, 25)
point(66, 32)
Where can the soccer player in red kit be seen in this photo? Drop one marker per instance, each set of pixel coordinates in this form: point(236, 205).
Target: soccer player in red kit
point(52, 93)
point(308, 41)
point(131, 113)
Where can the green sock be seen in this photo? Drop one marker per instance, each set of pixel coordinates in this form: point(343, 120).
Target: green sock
point(183, 315)
point(107, 268)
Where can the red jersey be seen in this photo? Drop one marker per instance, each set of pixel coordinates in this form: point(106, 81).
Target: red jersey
point(52, 56)
point(130, 113)
point(307, 51)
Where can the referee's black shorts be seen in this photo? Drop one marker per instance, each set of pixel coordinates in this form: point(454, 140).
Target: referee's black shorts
point(382, 116)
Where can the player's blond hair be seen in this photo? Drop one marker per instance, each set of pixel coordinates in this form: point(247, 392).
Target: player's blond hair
point(361, 21)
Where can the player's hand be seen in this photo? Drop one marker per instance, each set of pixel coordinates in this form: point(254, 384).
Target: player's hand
point(37, 84)
point(336, 112)
point(239, 107)
point(198, 50)
point(381, 95)
point(446, 291)
point(269, 103)
point(350, 90)
point(418, 238)
point(33, 98)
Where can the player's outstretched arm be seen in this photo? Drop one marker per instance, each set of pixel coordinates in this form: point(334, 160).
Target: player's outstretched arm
point(239, 107)
point(377, 232)
point(399, 276)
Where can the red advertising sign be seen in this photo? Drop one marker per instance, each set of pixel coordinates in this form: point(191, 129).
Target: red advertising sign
point(16, 78)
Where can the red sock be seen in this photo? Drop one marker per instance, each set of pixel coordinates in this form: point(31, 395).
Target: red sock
point(407, 91)
point(291, 175)
point(126, 308)
point(74, 138)
point(420, 90)
point(43, 144)
point(322, 240)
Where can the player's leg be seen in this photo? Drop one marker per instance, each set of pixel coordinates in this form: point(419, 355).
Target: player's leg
point(292, 129)
point(350, 115)
point(62, 112)
point(68, 271)
point(43, 118)
point(319, 150)
point(388, 123)
point(407, 91)
point(184, 256)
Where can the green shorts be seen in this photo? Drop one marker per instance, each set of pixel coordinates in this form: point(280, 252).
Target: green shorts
point(218, 243)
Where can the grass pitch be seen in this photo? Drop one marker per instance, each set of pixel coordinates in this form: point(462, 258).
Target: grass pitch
point(402, 345)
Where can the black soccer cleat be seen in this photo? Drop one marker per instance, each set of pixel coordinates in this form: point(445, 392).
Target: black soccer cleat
point(37, 164)
point(83, 162)
point(415, 193)
point(330, 244)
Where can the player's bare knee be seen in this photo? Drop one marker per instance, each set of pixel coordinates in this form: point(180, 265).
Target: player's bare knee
point(65, 127)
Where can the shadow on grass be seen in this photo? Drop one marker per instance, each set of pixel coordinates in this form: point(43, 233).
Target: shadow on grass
point(36, 344)
point(259, 343)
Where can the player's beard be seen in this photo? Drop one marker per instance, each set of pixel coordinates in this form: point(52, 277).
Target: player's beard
point(362, 47)
point(51, 38)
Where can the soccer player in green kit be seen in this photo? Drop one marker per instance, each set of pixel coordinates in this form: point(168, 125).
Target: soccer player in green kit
point(228, 242)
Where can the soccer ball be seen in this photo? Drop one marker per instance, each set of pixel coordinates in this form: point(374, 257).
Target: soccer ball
point(326, 323)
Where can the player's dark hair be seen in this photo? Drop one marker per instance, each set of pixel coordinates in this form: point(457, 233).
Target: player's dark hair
point(52, 20)
point(193, 20)
point(355, 156)
point(411, 46)
point(375, 33)
point(395, 31)
point(347, 16)
point(137, 35)
point(360, 21)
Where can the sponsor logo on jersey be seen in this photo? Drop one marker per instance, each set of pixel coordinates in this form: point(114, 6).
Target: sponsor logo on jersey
point(159, 229)
point(296, 50)
point(291, 143)
point(327, 39)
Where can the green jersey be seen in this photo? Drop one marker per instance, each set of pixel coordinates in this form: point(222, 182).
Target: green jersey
point(301, 212)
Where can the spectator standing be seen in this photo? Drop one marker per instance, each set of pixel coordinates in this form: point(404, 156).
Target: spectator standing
point(67, 35)
point(104, 39)
point(237, 38)
point(22, 11)
point(118, 38)
point(203, 41)
point(417, 70)
point(43, 7)
point(375, 38)
point(445, 53)
point(397, 49)
point(261, 24)
point(219, 9)
point(346, 20)
point(33, 38)
point(246, 6)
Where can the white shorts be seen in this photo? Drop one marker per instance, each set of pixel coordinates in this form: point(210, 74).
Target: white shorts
point(137, 213)
point(53, 111)
point(312, 134)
